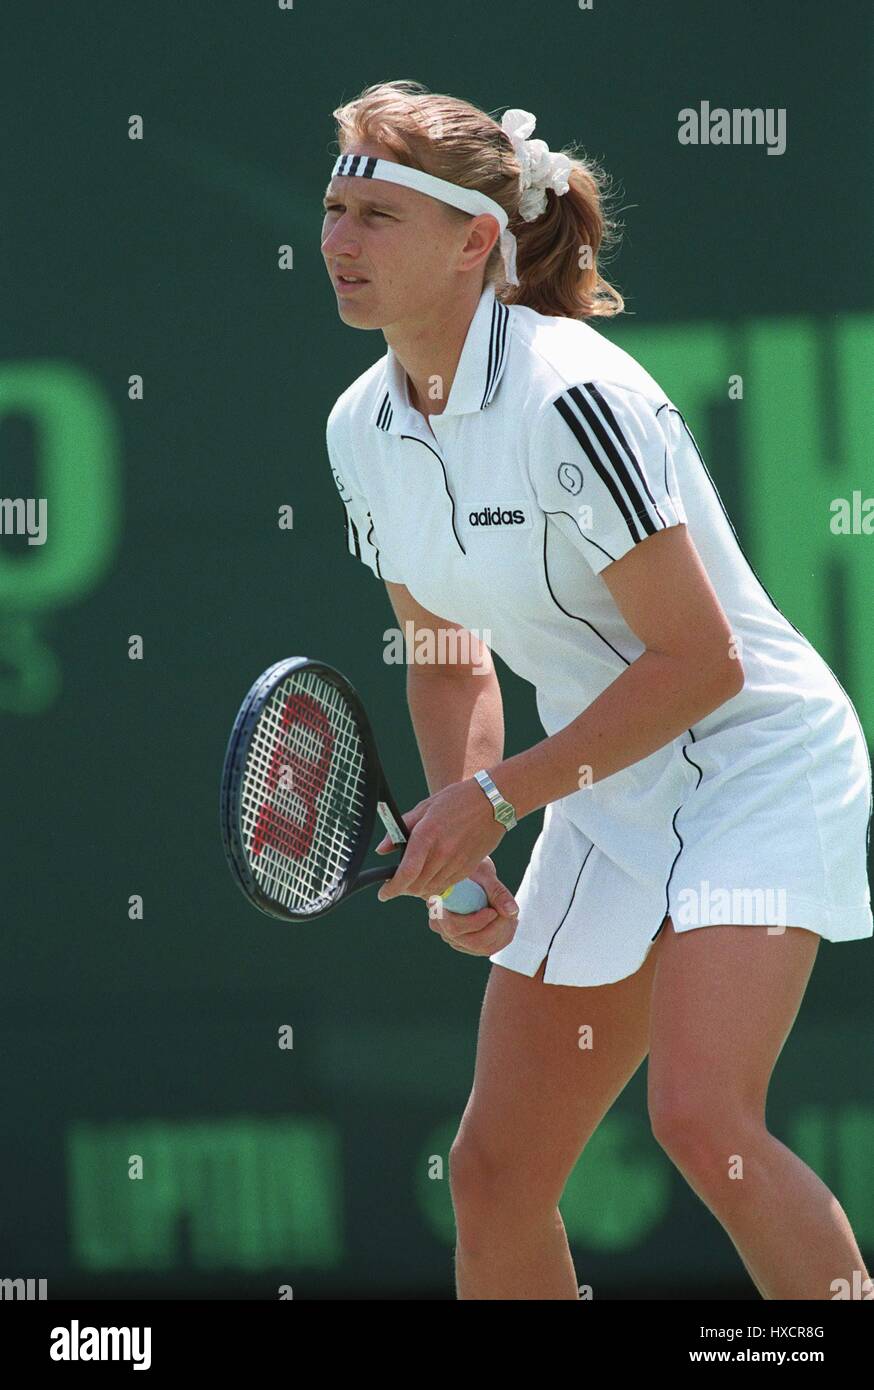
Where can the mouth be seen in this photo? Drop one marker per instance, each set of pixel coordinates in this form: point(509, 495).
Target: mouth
point(345, 286)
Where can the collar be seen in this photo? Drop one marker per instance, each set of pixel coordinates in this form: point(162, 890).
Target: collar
point(480, 368)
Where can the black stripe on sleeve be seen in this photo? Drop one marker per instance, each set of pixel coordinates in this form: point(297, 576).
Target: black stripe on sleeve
point(611, 420)
point(614, 458)
point(576, 425)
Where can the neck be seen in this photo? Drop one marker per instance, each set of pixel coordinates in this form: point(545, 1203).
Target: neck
point(429, 349)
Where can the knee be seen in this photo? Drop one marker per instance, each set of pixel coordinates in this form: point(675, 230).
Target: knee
point(489, 1183)
point(706, 1138)
point(476, 1172)
point(682, 1129)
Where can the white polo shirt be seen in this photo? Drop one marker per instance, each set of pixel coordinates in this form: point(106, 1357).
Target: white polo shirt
point(555, 454)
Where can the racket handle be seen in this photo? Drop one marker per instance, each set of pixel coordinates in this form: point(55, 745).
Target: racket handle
point(465, 897)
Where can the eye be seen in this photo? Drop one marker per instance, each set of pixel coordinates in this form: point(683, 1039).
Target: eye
point(374, 212)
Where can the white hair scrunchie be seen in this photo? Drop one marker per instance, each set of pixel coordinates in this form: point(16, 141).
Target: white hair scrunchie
point(541, 168)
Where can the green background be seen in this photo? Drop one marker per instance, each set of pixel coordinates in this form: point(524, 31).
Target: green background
point(318, 1166)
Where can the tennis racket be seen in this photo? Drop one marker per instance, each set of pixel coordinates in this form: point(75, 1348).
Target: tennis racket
point(301, 787)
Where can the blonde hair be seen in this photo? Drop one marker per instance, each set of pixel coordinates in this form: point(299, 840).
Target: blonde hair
point(454, 140)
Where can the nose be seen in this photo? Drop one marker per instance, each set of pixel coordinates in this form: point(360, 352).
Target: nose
point(339, 241)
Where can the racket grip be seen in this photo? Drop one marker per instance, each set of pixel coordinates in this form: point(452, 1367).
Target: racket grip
point(466, 896)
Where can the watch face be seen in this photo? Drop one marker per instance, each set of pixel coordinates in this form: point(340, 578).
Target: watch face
point(505, 814)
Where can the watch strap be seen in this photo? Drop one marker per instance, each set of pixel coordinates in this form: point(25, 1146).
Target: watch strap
point(504, 811)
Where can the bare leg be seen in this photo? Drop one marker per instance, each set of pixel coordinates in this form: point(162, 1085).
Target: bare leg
point(724, 1001)
point(536, 1099)
point(790, 1231)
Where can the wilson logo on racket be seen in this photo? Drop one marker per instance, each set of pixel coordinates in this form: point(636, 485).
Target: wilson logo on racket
point(302, 724)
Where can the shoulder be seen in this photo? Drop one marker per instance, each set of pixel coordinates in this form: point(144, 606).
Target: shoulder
point(354, 407)
point(567, 360)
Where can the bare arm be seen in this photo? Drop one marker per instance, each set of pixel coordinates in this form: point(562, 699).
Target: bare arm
point(458, 719)
point(455, 702)
point(688, 669)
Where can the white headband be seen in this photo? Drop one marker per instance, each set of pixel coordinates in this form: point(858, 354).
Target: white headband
point(541, 169)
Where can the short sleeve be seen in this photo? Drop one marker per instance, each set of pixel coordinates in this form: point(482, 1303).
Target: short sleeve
point(361, 538)
point(602, 464)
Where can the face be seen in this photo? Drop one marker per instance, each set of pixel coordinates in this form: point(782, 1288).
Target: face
point(405, 246)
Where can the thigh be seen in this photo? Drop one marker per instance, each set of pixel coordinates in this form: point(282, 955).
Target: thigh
point(724, 1000)
point(537, 1094)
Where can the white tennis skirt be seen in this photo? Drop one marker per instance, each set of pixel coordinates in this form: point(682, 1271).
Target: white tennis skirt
point(767, 824)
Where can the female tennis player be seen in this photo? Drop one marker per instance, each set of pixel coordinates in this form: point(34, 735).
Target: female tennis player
point(518, 481)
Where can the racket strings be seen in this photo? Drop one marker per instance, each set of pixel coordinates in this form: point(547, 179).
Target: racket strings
point(302, 800)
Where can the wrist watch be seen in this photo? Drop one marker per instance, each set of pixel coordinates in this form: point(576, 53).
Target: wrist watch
point(505, 814)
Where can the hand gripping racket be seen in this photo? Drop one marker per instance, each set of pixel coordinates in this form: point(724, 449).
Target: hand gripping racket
point(301, 787)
